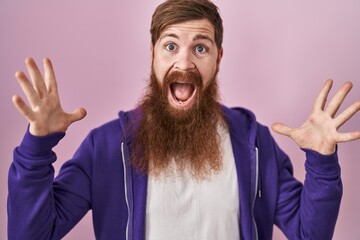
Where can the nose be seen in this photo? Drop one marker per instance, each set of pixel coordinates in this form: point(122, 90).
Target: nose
point(184, 61)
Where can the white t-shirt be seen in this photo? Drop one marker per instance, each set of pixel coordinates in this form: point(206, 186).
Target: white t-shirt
point(181, 208)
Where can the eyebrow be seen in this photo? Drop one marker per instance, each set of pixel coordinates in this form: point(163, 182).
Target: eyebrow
point(169, 35)
point(197, 37)
point(202, 36)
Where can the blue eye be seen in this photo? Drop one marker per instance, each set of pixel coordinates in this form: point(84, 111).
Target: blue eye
point(170, 47)
point(200, 49)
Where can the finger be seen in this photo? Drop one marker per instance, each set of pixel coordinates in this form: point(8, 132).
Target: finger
point(322, 97)
point(23, 108)
point(347, 137)
point(49, 75)
point(347, 114)
point(36, 77)
point(338, 99)
point(27, 88)
point(77, 115)
point(281, 129)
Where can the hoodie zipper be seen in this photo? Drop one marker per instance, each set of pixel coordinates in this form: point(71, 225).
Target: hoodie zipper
point(256, 188)
point(126, 190)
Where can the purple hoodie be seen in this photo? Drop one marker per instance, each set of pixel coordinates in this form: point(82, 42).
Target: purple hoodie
point(99, 177)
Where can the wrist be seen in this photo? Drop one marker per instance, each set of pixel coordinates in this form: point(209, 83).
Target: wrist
point(326, 150)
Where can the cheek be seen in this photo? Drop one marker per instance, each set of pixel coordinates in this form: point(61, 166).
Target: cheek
point(161, 66)
point(157, 68)
point(207, 72)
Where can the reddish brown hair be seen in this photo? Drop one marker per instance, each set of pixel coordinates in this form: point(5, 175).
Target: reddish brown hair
point(177, 11)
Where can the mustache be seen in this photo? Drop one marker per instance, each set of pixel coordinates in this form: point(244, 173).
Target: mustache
point(192, 77)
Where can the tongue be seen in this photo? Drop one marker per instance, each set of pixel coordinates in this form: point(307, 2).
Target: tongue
point(182, 91)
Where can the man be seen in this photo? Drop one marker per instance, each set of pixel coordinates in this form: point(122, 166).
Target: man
point(180, 166)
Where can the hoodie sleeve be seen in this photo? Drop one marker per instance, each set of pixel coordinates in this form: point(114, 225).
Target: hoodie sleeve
point(38, 206)
point(308, 211)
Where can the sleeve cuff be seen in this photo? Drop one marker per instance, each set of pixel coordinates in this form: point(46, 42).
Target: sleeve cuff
point(40, 145)
point(322, 164)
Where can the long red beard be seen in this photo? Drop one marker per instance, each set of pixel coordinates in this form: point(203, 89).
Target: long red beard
point(189, 138)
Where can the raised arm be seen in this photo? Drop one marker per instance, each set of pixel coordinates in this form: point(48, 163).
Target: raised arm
point(310, 212)
point(38, 208)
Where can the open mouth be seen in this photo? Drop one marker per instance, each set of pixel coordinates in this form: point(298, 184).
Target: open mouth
point(181, 94)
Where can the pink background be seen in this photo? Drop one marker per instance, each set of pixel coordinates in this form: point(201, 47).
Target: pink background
point(277, 55)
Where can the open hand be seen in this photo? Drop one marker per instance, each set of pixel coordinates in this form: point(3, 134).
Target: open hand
point(45, 113)
point(320, 130)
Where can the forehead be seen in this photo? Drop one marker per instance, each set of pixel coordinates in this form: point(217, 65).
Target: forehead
point(191, 28)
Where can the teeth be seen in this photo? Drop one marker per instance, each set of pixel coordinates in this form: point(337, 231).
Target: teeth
point(179, 101)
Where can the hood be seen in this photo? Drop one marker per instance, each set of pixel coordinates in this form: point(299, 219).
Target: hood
point(242, 125)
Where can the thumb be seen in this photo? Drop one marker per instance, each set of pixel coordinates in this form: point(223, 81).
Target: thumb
point(77, 115)
point(281, 129)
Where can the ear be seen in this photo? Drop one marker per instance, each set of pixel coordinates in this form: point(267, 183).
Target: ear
point(220, 54)
point(151, 53)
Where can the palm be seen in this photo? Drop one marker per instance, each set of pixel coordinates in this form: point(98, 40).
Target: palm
point(320, 130)
point(45, 113)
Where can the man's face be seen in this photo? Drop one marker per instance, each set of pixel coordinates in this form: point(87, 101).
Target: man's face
point(186, 47)
point(181, 112)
